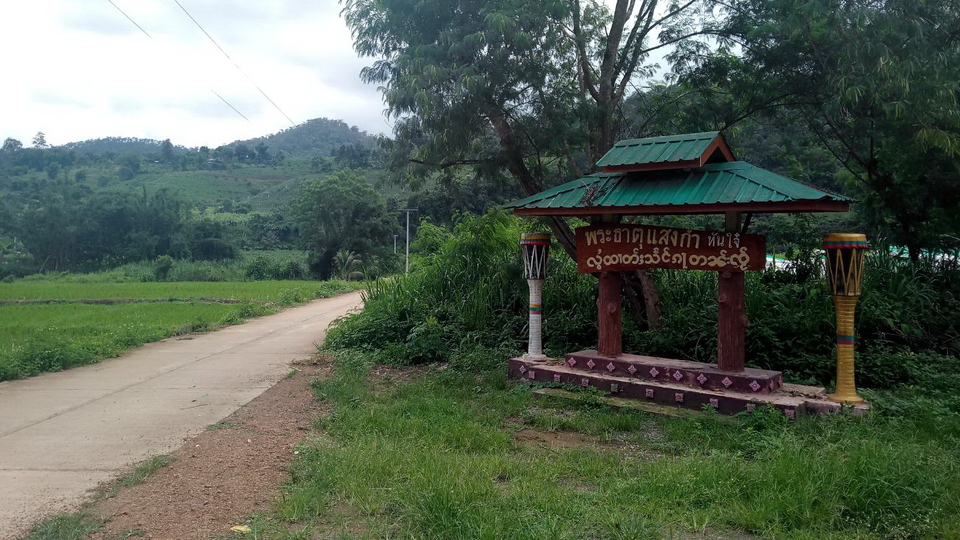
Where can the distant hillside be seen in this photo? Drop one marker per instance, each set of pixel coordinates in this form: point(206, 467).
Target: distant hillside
point(121, 145)
point(261, 174)
point(317, 137)
point(314, 137)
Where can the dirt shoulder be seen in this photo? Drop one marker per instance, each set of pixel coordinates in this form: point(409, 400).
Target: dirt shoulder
point(223, 475)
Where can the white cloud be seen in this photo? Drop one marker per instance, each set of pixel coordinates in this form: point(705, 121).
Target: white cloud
point(81, 70)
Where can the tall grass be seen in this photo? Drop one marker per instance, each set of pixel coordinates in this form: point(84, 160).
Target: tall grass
point(262, 291)
point(439, 456)
point(469, 291)
point(272, 264)
point(442, 456)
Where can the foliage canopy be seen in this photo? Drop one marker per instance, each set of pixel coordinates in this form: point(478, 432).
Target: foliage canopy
point(341, 212)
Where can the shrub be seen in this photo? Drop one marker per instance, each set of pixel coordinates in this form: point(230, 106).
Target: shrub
point(425, 343)
point(162, 267)
point(291, 270)
point(470, 291)
point(259, 268)
point(470, 283)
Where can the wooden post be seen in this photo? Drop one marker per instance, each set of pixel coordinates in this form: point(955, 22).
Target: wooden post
point(732, 316)
point(608, 315)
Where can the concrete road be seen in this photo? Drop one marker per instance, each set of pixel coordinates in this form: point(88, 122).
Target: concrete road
point(62, 434)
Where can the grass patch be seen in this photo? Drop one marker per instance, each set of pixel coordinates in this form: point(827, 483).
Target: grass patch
point(39, 338)
point(53, 337)
point(439, 456)
point(141, 471)
point(65, 527)
point(263, 291)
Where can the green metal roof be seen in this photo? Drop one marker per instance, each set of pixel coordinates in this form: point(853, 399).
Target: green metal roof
point(713, 188)
point(657, 152)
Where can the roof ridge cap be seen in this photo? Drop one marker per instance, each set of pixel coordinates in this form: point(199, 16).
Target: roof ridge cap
point(679, 136)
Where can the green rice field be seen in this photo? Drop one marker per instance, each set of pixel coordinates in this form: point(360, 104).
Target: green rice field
point(50, 326)
point(261, 291)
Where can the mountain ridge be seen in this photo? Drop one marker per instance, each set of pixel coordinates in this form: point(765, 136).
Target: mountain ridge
point(317, 136)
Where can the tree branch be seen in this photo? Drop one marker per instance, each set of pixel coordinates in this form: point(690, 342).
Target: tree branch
point(586, 76)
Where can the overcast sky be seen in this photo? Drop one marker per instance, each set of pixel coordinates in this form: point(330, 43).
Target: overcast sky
point(78, 69)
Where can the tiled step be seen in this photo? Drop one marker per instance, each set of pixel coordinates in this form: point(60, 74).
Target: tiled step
point(669, 371)
point(667, 393)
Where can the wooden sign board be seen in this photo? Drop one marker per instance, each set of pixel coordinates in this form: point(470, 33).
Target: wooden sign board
point(616, 247)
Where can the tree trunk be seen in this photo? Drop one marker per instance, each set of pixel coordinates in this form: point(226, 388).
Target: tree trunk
point(651, 299)
point(643, 299)
point(643, 287)
point(528, 183)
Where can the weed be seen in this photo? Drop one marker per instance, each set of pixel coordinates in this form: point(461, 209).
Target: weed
point(65, 527)
point(141, 471)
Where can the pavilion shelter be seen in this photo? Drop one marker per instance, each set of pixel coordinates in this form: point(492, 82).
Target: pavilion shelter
point(693, 173)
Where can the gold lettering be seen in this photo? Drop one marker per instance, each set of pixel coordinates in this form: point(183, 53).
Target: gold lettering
point(591, 237)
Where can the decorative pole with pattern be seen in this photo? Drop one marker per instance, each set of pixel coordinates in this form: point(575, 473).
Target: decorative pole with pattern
point(845, 254)
point(536, 248)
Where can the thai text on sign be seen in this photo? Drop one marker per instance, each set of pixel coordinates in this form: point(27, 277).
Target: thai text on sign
point(603, 248)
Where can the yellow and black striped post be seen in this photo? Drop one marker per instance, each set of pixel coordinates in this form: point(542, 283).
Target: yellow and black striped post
point(536, 248)
point(845, 254)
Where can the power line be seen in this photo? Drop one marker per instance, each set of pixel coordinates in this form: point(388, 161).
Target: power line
point(229, 105)
point(234, 62)
point(129, 18)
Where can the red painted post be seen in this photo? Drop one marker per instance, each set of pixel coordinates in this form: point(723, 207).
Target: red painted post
point(732, 322)
point(609, 315)
point(732, 316)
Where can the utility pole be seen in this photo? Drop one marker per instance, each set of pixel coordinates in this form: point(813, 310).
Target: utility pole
point(408, 210)
point(395, 243)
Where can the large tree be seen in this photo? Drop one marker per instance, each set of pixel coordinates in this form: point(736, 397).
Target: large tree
point(531, 86)
point(534, 87)
point(341, 212)
point(877, 81)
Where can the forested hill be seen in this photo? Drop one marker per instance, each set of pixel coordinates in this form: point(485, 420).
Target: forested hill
point(320, 136)
point(122, 145)
point(261, 174)
point(316, 137)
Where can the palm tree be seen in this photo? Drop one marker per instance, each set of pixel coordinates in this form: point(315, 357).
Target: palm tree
point(348, 265)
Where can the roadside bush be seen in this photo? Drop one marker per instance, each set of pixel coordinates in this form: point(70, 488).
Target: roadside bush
point(425, 342)
point(291, 270)
point(263, 268)
point(15, 267)
point(259, 268)
point(162, 267)
point(472, 286)
point(470, 282)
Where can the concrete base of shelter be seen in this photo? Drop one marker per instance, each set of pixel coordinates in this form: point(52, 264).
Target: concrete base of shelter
point(681, 383)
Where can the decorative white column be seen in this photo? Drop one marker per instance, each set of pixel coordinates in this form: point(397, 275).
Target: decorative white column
point(535, 345)
point(536, 248)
